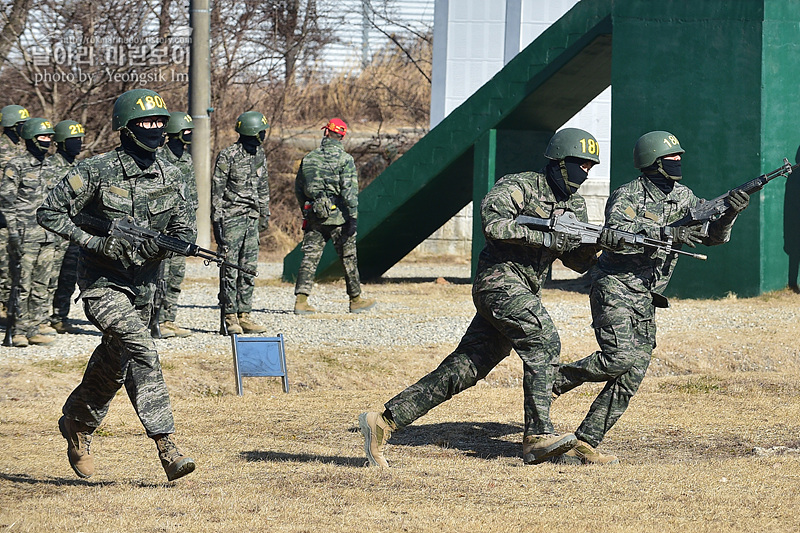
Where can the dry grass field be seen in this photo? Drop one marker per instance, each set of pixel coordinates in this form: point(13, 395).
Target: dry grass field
point(710, 443)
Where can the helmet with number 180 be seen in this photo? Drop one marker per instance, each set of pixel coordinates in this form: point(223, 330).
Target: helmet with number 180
point(573, 142)
point(136, 104)
point(653, 145)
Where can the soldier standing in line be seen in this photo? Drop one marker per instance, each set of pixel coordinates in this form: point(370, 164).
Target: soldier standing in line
point(628, 285)
point(69, 139)
point(239, 212)
point(12, 117)
point(507, 297)
point(117, 281)
point(22, 191)
point(179, 137)
point(326, 188)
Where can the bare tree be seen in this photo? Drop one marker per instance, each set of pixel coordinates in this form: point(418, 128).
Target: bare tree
point(13, 17)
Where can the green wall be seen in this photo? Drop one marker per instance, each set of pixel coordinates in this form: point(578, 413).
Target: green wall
point(724, 77)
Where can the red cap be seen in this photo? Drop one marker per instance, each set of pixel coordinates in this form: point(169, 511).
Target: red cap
point(336, 125)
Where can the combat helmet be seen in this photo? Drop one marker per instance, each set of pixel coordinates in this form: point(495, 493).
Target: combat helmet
point(654, 145)
point(251, 123)
point(67, 129)
point(573, 142)
point(11, 115)
point(34, 127)
point(136, 104)
point(179, 121)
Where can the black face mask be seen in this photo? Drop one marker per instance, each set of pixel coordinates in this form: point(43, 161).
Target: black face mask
point(176, 145)
point(575, 174)
point(18, 128)
point(249, 143)
point(664, 173)
point(149, 138)
point(186, 137)
point(71, 146)
point(672, 167)
point(262, 135)
point(555, 179)
point(11, 133)
point(37, 149)
point(143, 157)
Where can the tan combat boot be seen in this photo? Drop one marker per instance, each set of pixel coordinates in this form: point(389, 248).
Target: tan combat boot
point(173, 328)
point(45, 329)
point(359, 304)
point(538, 448)
point(41, 340)
point(20, 341)
point(78, 440)
point(232, 323)
point(175, 464)
point(376, 430)
point(248, 326)
point(63, 326)
point(302, 307)
point(585, 454)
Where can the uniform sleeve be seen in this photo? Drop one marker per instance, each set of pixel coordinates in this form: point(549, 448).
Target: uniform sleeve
point(66, 199)
point(499, 210)
point(218, 181)
point(299, 189)
point(8, 196)
point(349, 188)
point(263, 190)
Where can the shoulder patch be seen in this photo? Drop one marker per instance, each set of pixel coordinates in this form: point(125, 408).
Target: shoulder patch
point(517, 197)
point(541, 212)
point(75, 181)
point(630, 212)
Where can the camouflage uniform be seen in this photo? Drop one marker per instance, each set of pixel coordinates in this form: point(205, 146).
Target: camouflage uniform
point(328, 174)
point(626, 288)
point(64, 273)
point(239, 197)
point(175, 266)
point(117, 294)
point(8, 150)
point(510, 314)
point(22, 191)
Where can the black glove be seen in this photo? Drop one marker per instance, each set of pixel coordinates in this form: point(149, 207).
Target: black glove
point(687, 235)
point(611, 240)
point(110, 247)
point(150, 249)
point(14, 246)
point(739, 200)
point(560, 243)
point(350, 227)
point(217, 226)
point(263, 223)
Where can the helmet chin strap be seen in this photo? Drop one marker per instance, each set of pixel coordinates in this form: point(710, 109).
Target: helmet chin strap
point(136, 141)
point(660, 170)
point(564, 174)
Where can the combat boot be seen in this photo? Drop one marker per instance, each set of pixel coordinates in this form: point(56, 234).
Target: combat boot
point(232, 323)
point(173, 328)
point(359, 304)
point(20, 341)
point(538, 448)
point(41, 340)
point(45, 329)
point(585, 454)
point(248, 326)
point(376, 430)
point(63, 326)
point(78, 440)
point(302, 307)
point(175, 464)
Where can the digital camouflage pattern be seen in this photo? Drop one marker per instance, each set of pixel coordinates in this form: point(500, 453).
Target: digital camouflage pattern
point(117, 294)
point(8, 150)
point(327, 176)
point(22, 191)
point(239, 197)
point(175, 267)
point(507, 297)
point(623, 303)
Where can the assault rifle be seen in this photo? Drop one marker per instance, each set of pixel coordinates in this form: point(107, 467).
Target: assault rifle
point(222, 296)
point(158, 301)
point(15, 267)
point(704, 213)
point(127, 229)
point(567, 222)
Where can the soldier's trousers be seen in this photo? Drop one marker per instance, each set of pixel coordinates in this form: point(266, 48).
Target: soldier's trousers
point(36, 264)
point(626, 343)
point(5, 273)
point(63, 279)
point(314, 239)
point(506, 319)
point(174, 271)
point(241, 235)
point(126, 356)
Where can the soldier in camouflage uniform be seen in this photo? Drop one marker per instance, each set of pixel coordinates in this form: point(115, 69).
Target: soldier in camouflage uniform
point(69, 139)
point(239, 212)
point(628, 283)
point(12, 117)
point(179, 137)
point(22, 191)
point(117, 280)
point(326, 188)
point(507, 297)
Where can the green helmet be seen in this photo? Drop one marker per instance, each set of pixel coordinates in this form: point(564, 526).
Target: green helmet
point(135, 104)
point(573, 142)
point(13, 114)
point(67, 129)
point(250, 123)
point(653, 145)
point(36, 126)
point(179, 121)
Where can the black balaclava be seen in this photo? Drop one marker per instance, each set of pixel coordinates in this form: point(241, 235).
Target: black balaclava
point(186, 137)
point(141, 143)
point(12, 134)
point(565, 176)
point(37, 149)
point(664, 173)
point(176, 145)
point(70, 148)
point(250, 143)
